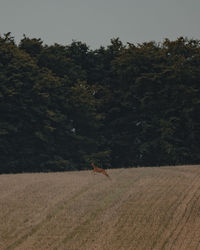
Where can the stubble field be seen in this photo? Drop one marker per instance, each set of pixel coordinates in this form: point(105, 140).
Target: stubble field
point(139, 208)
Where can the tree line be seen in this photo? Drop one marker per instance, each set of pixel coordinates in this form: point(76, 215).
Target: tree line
point(124, 105)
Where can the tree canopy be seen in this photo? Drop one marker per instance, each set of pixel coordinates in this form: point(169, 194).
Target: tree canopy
point(63, 106)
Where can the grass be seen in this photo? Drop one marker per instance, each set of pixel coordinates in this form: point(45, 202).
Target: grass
point(140, 208)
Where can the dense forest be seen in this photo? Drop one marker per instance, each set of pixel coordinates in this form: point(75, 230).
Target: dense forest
point(124, 105)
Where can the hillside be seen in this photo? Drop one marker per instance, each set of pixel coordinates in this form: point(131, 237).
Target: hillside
point(140, 208)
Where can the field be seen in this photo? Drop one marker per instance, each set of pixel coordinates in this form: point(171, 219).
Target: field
point(139, 208)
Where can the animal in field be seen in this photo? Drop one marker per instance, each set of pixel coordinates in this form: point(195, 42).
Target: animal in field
point(99, 170)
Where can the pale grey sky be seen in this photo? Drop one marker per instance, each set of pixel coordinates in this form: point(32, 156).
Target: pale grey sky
point(97, 21)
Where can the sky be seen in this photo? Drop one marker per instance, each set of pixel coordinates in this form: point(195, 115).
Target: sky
point(96, 22)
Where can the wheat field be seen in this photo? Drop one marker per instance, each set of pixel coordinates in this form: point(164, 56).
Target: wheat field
point(139, 208)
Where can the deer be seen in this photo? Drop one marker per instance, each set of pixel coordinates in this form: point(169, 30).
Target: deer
point(99, 170)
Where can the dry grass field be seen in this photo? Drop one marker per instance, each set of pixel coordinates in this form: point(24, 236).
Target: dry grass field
point(139, 208)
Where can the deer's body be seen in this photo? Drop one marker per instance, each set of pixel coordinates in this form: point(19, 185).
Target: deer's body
point(99, 170)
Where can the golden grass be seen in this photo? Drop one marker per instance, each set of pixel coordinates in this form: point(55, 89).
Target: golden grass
point(140, 208)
